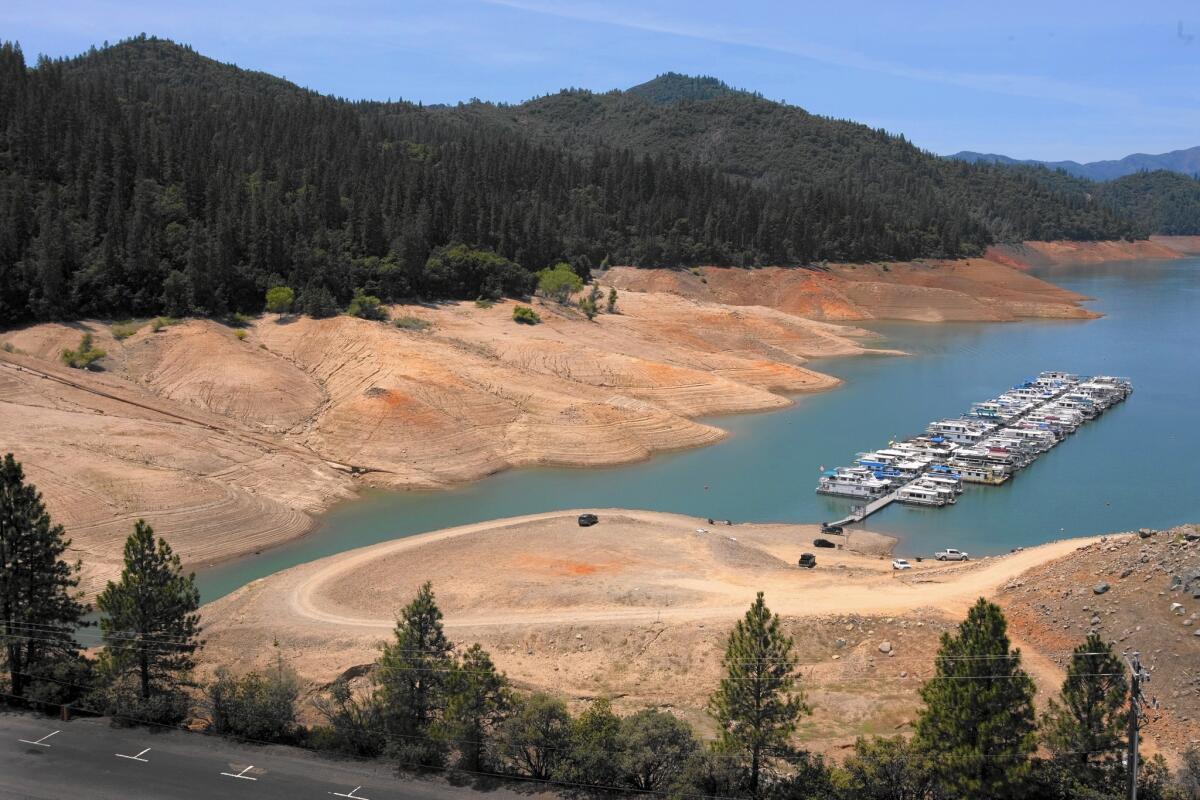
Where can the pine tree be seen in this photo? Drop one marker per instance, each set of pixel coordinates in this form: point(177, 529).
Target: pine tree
point(978, 719)
point(758, 702)
point(38, 609)
point(477, 701)
point(612, 300)
point(150, 629)
point(594, 743)
point(411, 681)
point(1087, 729)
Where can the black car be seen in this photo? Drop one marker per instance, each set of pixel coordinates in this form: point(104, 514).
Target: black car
point(823, 543)
point(827, 528)
point(808, 561)
point(588, 520)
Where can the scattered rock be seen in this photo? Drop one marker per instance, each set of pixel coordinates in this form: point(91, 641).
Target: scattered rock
point(1177, 608)
point(885, 647)
point(1100, 588)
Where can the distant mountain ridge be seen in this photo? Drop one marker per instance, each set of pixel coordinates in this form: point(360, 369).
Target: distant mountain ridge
point(1185, 162)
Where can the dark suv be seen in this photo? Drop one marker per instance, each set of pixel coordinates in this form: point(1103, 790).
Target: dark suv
point(808, 561)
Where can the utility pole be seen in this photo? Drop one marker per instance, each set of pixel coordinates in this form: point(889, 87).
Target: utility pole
point(1137, 677)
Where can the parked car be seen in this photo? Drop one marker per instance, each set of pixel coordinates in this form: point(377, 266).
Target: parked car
point(823, 543)
point(950, 554)
point(588, 520)
point(901, 563)
point(808, 560)
point(827, 528)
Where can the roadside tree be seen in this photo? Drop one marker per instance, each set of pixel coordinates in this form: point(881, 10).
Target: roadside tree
point(758, 702)
point(151, 630)
point(978, 720)
point(39, 607)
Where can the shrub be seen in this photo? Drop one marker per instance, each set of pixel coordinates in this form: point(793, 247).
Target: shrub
point(318, 302)
point(85, 356)
point(355, 722)
point(411, 323)
point(240, 334)
point(280, 299)
point(239, 320)
point(526, 315)
point(366, 306)
point(162, 322)
point(123, 330)
point(122, 699)
point(535, 739)
point(255, 706)
point(612, 300)
point(460, 271)
point(590, 305)
point(483, 302)
point(559, 282)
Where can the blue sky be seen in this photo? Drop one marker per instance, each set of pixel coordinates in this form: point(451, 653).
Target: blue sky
point(1050, 80)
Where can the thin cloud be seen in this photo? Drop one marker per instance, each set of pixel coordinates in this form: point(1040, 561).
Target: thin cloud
point(1029, 86)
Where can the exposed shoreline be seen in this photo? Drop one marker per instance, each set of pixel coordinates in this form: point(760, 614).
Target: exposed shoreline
point(202, 434)
point(633, 608)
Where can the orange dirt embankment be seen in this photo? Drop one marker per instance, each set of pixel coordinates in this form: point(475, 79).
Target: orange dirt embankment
point(1185, 245)
point(977, 289)
point(227, 446)
point(1050, 254)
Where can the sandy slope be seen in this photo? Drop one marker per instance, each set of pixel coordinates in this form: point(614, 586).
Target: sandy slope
point(635, 608)
point(1048, 254)
point(229, 446)
point(976, 289)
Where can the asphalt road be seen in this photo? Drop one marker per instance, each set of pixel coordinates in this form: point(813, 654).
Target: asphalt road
point(86, 758)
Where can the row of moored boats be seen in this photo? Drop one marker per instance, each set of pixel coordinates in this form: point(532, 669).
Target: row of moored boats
point(987, 445)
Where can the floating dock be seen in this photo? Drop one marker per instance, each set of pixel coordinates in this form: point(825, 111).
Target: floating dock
point(987, 445)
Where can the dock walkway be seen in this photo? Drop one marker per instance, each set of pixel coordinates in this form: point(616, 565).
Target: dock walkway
point(862, 512)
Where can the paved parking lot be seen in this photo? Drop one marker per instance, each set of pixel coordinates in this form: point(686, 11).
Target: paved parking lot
point(86, 758)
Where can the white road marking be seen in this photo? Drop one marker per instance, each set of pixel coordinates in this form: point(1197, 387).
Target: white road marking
point(241, 774)
point(138, 757)
point(40, 742)
point(351, 794)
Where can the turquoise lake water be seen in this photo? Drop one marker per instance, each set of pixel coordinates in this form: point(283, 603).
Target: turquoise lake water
point(1135, 466)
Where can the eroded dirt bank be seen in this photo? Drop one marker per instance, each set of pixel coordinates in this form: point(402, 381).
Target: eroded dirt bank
point(230, 445)
point(1049, 254)
point(976, 289)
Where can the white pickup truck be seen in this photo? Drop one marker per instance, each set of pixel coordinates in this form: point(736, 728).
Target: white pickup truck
point(950, 554)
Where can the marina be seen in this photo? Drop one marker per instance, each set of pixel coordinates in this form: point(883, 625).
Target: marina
point(987, 445)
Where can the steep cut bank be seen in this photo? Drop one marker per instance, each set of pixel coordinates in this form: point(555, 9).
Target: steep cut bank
point(230, 445)
point(977, 289)
point(1049, 254)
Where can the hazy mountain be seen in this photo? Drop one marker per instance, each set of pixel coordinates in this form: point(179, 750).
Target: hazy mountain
point(1186, 162)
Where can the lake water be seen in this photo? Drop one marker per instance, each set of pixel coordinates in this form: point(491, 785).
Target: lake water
point(1135, 466)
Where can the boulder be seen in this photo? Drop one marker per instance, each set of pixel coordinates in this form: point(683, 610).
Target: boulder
point(1100, 588)
point(885, 647)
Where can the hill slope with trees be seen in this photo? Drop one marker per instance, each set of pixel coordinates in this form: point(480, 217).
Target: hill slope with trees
point(143, 178)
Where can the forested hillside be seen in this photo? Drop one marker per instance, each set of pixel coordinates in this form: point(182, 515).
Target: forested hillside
point(144, 178)
point(1163, 202)
point(891, 182)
